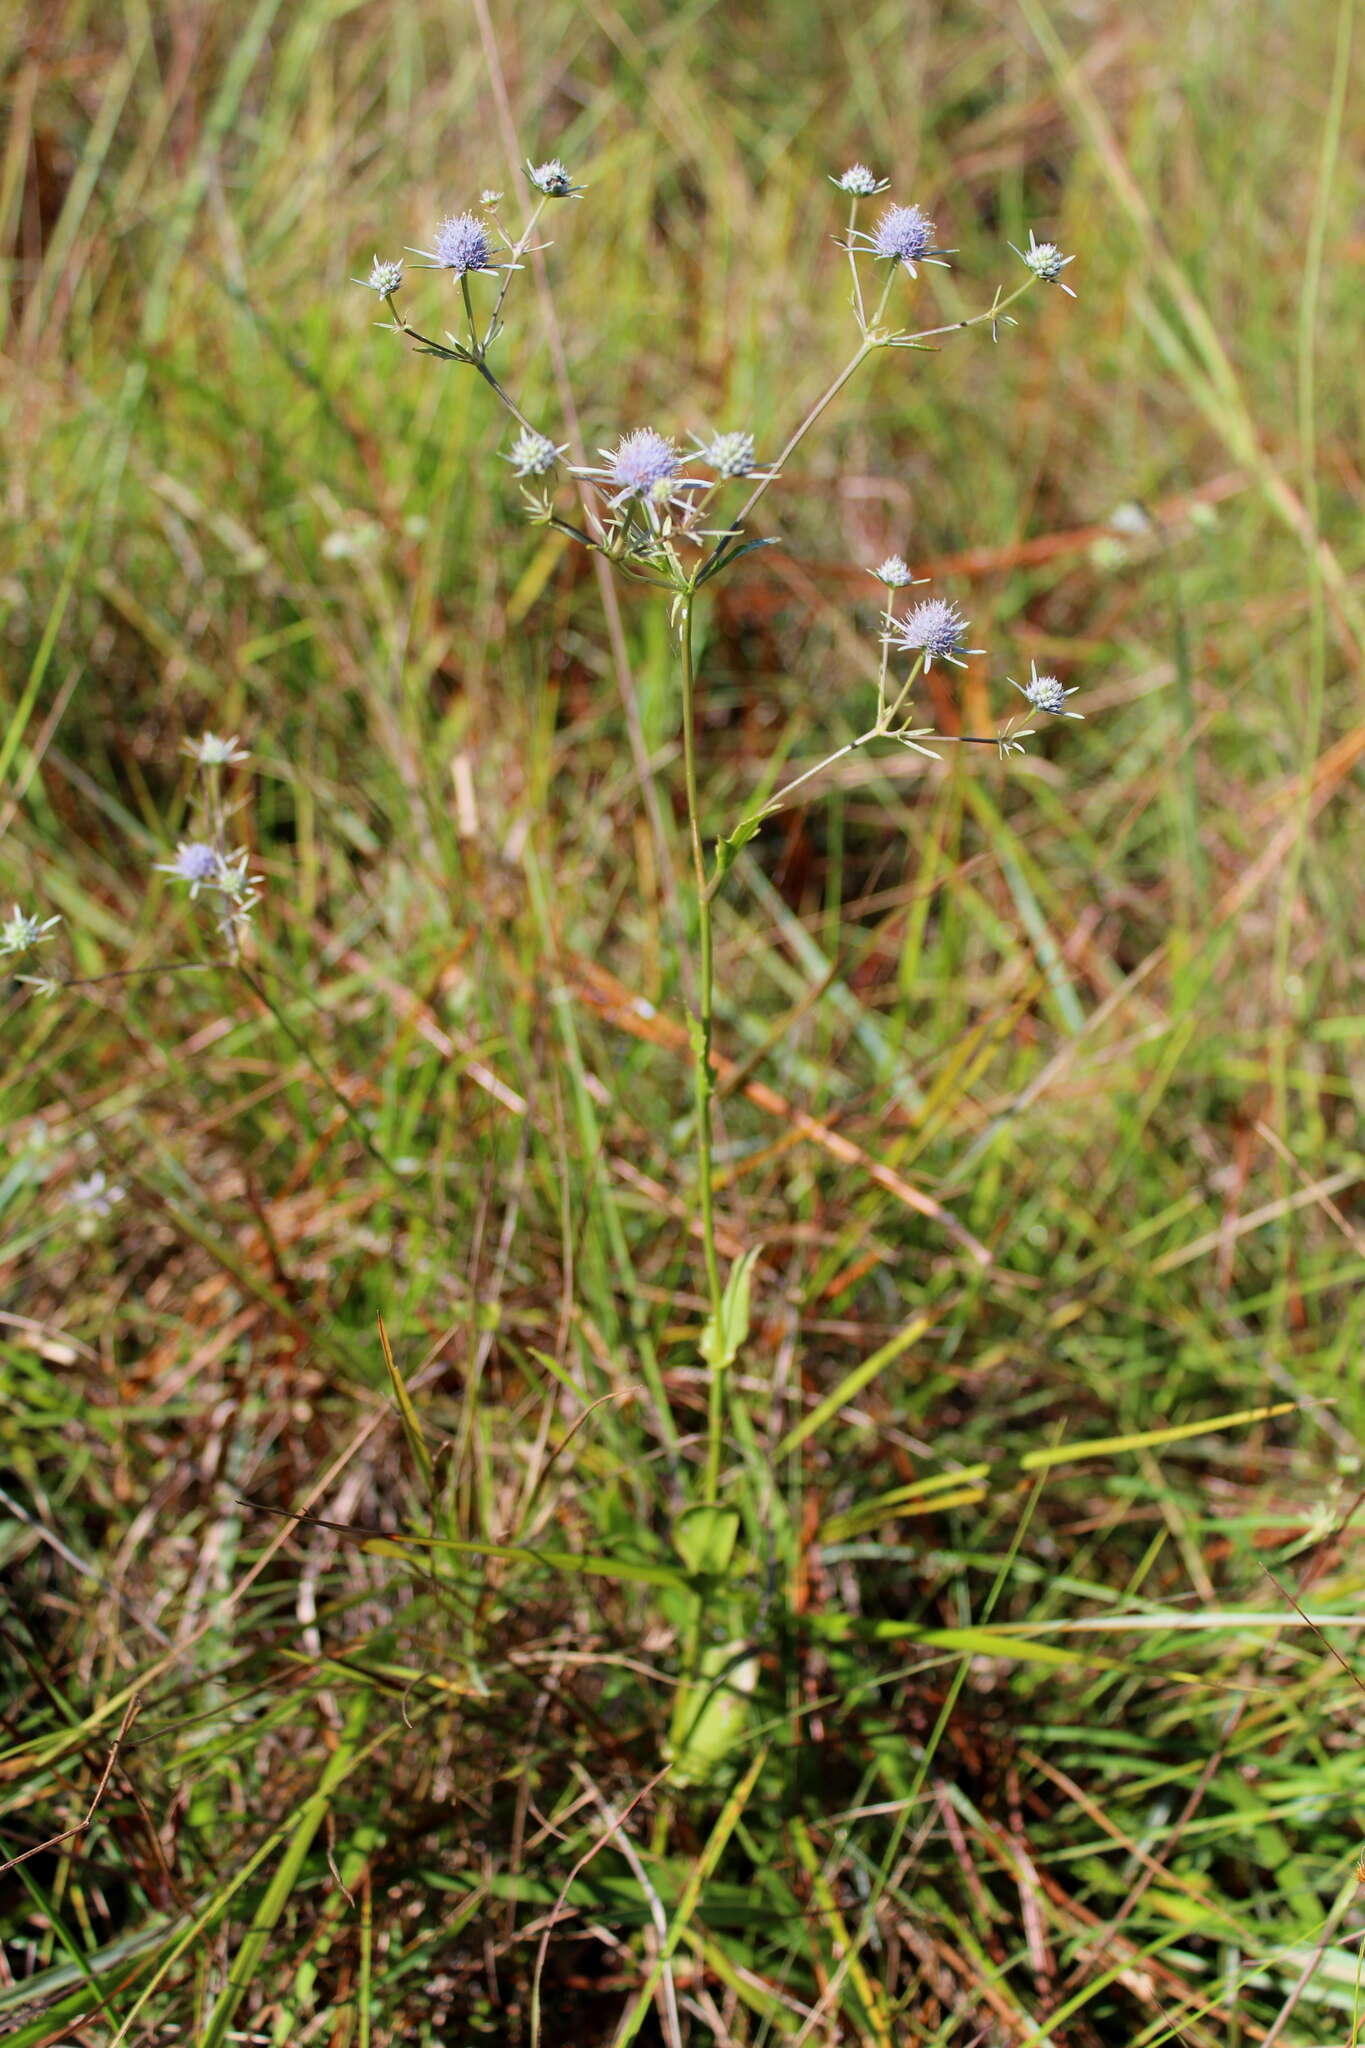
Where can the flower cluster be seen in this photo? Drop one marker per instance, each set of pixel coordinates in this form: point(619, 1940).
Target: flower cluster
point(654, 518)
point(206, 864)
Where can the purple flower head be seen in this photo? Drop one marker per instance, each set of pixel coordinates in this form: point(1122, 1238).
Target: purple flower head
point(935, 629)
point(860, 182)
point(1045, 693)
point(642, 461)
point(894, 572)
point(196, 862)
point(462, 243)
point(904, 234)
point(643, 466)
point(1046, 261)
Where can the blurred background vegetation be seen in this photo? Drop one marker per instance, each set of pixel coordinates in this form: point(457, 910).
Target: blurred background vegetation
point(1034, 1737)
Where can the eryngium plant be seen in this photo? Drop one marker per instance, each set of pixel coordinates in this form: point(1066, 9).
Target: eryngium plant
point(667, 517)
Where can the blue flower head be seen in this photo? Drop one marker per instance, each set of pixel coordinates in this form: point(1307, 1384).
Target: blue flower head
point(641, 461)
point(904, 234)
point(644, 466)
point(935, 629)
point(196, 862)
point(1045, 693)
point(462, 243)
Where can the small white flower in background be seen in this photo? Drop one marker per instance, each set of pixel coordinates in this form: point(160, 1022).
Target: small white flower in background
point(96, 1195)
point(860, 182)
point(235, 881)
point(935, 629)
point(1045, 693)
point(894, 572)
point(1046, 261)
point(209, 751)
point(20, 932)
point(904, 234)
point(553, 181)
point(384, 278)
point(534, 454)
point(489, 198)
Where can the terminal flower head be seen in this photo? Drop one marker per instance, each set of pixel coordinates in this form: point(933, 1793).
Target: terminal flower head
point(20, 932)
point(904, 234)
point(384, 278)
point(462, 243)
point(209, 751)
point(553, 180)
point(935, 629)
point(1046, 261)
point(1045, 693)
point(859, 182)
point(894, 572)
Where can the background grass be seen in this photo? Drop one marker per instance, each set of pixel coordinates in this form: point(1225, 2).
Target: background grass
point(1024, 1741)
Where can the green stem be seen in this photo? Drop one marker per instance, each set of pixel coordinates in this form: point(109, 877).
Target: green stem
point(992, 312)
point(860, 311)
point(702, 1075)
point(509, 402)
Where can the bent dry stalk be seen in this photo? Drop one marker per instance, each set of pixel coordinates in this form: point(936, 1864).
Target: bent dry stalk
point(650, 516)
